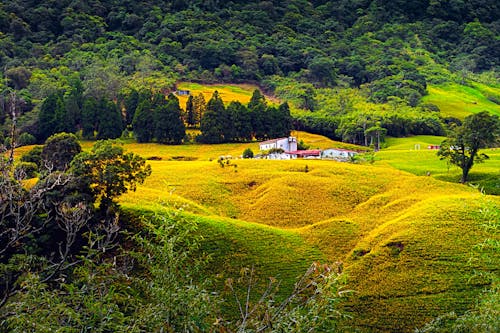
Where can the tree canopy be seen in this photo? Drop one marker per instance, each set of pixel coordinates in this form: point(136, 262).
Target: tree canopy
point(462, 146)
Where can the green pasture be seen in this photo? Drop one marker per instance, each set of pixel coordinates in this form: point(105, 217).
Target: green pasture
point(459, 101)
point(412, 155)
point(423, 263)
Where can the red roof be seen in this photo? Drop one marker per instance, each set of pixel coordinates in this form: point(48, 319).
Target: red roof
point(314, 152)
point(341, 149)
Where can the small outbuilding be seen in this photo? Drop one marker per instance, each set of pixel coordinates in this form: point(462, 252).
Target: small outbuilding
point(182, 92)
point(338, 154)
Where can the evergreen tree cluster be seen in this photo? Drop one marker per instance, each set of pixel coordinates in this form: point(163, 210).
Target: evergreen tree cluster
point(151, 115)
point(96, 118)
point(238, 123)
point(158, 118)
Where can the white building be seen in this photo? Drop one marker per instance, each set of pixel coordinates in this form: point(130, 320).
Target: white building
point(287, 144)
point(338, 154)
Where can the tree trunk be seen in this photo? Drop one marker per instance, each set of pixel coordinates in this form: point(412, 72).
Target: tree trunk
point(378, 140)
point(467, 166)
point(465, 174)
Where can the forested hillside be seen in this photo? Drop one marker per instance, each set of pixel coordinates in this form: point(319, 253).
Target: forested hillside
point(98, 53)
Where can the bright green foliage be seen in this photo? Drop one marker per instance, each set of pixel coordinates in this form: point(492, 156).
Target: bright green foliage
point(160, 293)
point(478, 131)
point(109, 172)
point(485, 317)
point(172, 262)
point(376, 135)
point(33, 156)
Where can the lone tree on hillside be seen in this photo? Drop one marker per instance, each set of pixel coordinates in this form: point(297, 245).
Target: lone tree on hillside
point(108, 172)
point(462, 146)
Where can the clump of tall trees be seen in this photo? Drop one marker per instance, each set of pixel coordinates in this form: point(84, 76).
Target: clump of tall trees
point(151, 116)
point(158, 118)
point(238, 122)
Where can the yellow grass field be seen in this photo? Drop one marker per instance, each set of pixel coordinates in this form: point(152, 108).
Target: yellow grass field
point(228, 93)
point(406, 241)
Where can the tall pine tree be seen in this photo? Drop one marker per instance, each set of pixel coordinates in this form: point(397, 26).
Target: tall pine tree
point(142, 123)
point(212, 125)
point(190, 112)
point(199, 108)
point(110, 120)
point(285, 120)
point(130, 103)
point(169, 127)
point(241, 121)
point(257, 107)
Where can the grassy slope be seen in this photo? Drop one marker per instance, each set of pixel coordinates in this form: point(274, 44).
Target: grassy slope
point(236, 244)
point(458, 101)
point(401, 153)
point(405, 240)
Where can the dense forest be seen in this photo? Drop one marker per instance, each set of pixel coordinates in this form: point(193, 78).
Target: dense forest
point(99, 53)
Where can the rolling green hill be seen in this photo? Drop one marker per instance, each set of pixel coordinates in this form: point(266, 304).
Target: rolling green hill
point(458, 101)
point(407, 243)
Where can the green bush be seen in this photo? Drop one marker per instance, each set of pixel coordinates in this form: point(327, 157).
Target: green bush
point(247, 153)
point(26, 139)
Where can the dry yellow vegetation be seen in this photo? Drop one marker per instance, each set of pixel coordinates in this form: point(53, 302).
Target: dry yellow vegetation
point(405, 241)
point(228, 93)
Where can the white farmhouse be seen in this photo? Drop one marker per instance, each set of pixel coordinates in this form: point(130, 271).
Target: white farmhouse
point(338, 154)
point(287, 144)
